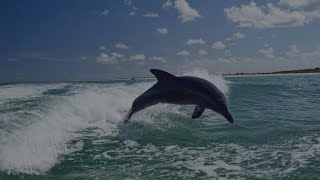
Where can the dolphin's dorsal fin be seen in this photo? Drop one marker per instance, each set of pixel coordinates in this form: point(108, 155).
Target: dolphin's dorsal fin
point(161, 75)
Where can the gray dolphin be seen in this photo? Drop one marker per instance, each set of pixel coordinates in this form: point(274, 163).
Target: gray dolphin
point(182, 90)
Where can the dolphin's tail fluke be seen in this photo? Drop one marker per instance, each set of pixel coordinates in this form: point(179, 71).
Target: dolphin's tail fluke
point(128, 116)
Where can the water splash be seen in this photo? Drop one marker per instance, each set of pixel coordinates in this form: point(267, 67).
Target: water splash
point(36, 147)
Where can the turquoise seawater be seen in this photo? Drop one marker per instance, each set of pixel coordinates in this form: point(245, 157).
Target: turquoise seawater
point(74, 130)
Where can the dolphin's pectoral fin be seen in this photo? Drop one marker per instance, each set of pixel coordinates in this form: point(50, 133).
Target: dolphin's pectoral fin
point(128, 116)
point(197, 112)
point(161, 75)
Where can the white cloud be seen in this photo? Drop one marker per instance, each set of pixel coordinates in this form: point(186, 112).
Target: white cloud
point(104, 58)
point(309, 8)
point(162, 30)
point(238, 35)
point(267, 52)
point(218, 45)
point(138, 57)
point(195, 41)
point(132, 13)
point(186, 12)
point(310, 56)
point(202, 52)
point(293, 51)
point(102, 48)
point(183, 53)
point(121, 46)
point(151, 15)
point(296, 4)
point(127, 2)
point(265, 17)
point(35, 55)
point(167, 4)
point(104, 13)
point(227, 53)
point(157, 58)
point(117, 55)
point(112, 58)
point(83, 58)
point(12, 59)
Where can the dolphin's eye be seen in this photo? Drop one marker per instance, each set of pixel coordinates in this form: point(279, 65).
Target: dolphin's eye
point(219, 99)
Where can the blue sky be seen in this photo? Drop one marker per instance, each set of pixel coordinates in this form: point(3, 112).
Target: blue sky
point(102, 39)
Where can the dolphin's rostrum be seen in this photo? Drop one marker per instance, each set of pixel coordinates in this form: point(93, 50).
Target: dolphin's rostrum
point(182, 90)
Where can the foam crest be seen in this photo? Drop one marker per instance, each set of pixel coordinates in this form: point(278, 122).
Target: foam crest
point(24, 91)
point(34, 149)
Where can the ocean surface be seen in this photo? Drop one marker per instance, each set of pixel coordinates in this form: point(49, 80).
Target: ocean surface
point(74, 130)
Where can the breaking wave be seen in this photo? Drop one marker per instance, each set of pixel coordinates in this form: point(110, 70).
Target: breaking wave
point(34, 138)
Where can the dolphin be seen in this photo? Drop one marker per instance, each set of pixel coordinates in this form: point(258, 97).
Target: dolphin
point(182, 90)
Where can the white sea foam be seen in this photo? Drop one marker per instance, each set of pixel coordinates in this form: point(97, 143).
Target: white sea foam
point(171, 147)
point(223, 161)
point(131, 143)
point(106, 155)
point(36, 148)
point(22, 91)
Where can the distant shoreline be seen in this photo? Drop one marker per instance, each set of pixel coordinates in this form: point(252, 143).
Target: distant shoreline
point(289, 72)
point(298, 71)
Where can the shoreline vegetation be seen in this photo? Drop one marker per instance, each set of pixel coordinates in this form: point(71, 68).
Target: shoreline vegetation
point(297, 71)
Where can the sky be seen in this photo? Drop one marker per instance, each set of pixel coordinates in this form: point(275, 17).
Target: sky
point(105, 39)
